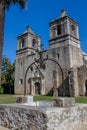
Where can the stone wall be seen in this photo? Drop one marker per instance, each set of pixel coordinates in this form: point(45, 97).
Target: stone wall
point(82, 77)
point(75, 82)
point(22, 118)
point(19, 117)
point(71, 118)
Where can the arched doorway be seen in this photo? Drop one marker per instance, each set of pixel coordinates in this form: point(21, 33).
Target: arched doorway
point(37, 88)
point(86, 87)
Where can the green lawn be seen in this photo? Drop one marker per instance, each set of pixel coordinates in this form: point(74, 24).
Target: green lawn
point(51, 98)
point(7, 99)
point(43, 98)
point(81, 100)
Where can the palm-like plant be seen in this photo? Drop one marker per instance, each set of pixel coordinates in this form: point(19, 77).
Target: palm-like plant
point(3, 5)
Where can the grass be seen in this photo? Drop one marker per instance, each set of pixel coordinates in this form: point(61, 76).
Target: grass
point(51, 98)
point(7, 99)
point(81, 100)
point(43, 98)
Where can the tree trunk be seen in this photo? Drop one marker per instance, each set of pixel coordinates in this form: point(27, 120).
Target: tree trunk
point(1, 33)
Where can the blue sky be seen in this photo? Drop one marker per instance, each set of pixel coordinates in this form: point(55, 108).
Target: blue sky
point(38, 14)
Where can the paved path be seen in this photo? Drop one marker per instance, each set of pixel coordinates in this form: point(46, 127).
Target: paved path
point(3, 128)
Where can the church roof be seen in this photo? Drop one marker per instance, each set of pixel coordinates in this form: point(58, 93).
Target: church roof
point(28, 30)
point(63, 15)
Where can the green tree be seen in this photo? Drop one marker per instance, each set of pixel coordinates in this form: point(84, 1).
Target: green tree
point(3, 5)
point(7, 77)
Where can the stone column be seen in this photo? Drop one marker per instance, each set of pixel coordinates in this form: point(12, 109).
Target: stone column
point(39, 43)
point(77, 31)
point(75, 79)
point(32, 87)
point(68, 27)
point(43, 84)
point(56, 31)
point(56, 82)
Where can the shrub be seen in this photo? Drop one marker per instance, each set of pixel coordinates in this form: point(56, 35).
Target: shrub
point(1, 90)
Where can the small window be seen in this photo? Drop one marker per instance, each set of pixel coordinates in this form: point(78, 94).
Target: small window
point(31, 68)
point(20, 81)
point(34, 43)
point(58, 55)
point(59, 30)
point(23, 44)
point(86, 85)
point(73, 27)
point(44, 66)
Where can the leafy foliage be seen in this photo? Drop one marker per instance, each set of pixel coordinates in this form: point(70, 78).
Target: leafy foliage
point(1, 90)
point(7, 3)
point(7, 77)
point(3, 5)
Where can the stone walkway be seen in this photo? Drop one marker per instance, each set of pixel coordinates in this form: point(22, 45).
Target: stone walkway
point(3, 128)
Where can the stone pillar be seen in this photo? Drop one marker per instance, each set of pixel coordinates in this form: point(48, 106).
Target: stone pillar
point(77, 31)
point(55, 31)
point(62, 29)
point(56, 82)
point(68, 27)
point(75, 79)
point(32, 87)
point(39, 43)
point(43, 84)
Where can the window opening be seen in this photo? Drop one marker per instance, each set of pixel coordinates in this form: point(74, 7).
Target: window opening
point(73, 27)
point(86, 88)
point(31, 68)
point(20, 81)
point(59, 30)
point(34, 43)
point(58, 55)
point(23, 44)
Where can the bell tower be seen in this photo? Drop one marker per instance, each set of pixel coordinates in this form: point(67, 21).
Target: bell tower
point(64, 35)
point(28, 42)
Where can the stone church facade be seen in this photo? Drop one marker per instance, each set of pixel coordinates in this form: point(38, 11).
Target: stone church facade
point(63, 73)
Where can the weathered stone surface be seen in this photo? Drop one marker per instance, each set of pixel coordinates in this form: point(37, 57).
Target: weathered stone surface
point(64, 102)
point(40, 104)
point(33, 128)
point(18, 117)
point(24, 99)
